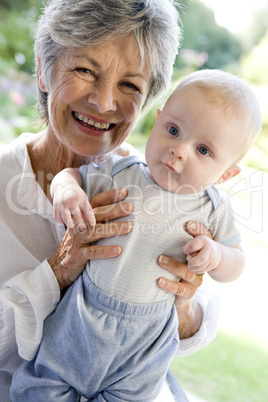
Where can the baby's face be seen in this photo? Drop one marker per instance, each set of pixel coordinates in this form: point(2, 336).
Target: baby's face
point(192, 143)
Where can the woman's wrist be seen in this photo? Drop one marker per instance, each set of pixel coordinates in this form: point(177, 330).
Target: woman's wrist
point(190, 318)
point(56, 267)
point(67, 265)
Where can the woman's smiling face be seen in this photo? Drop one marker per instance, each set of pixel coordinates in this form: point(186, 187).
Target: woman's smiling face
point(96, 96)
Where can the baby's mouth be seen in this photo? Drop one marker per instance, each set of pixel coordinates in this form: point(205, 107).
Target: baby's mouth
point(170, 167)
point(87, 122)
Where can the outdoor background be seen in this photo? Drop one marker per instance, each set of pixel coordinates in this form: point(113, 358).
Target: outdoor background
point(232, 35)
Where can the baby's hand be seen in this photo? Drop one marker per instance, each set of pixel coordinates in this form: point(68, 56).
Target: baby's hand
point(203, 254)
point(71, 206)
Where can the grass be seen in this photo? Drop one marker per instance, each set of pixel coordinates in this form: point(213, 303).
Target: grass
point(231, 368)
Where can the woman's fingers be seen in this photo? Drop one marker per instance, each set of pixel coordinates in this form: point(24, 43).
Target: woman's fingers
point(196, 229)
point(177, 268)
point(113, 211)
point(102, 231)
point(75, 249)
point(99, 252)
point(108, 197)
point(182, 290)
point(187, 284)
point(108, 206)
point(176, 288)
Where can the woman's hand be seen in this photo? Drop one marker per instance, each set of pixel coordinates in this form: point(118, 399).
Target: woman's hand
point(189, 311)
point(75, 250)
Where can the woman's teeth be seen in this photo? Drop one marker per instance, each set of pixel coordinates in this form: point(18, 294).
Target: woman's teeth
point(86, 120)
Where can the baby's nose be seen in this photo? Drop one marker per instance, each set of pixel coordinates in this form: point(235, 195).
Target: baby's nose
point(180, 151)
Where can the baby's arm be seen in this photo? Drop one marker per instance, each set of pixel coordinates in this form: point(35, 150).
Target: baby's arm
point(70, 202)
point(223, 263)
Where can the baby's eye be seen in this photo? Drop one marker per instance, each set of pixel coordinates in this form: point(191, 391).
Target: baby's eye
point(173, 130)
point(203, 151)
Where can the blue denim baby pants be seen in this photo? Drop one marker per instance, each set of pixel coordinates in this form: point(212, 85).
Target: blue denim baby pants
point(101, 348)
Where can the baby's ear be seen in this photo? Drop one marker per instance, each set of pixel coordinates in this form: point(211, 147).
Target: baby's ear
point(228, 174)
point(158, 113)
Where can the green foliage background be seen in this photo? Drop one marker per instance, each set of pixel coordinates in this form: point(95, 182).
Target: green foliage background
point(205, 45)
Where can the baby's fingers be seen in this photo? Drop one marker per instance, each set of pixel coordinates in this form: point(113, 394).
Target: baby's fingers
point(78, 218)
point(66, 217)
point(200, 269)
point(57, 215)
point(89, 213)
point(199, 260)
point(193, 245)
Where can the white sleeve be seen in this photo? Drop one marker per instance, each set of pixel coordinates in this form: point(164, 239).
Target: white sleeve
point(209, 302)
point(25, 301)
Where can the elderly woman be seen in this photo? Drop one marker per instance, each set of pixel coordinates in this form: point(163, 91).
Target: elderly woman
point(100, 63)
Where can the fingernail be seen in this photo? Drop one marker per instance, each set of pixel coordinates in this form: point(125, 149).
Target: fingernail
point(162, 281)
point(193, 226)
point(127, 207)
point(81, 227)
point(116, 250)
point(123, 192)
point(164, 260)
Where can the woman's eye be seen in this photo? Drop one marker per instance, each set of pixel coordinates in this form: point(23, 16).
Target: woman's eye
point(131, 86)
point(203, 151)
point(83, 70)
point(173, 130)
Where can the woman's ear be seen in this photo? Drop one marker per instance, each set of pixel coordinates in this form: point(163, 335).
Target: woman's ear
point(228, 174)
point(41, 82)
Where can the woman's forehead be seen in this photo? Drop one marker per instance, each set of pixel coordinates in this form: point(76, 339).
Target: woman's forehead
point(122, 52)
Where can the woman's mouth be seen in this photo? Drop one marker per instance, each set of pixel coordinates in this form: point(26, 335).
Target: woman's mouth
point(88, 122)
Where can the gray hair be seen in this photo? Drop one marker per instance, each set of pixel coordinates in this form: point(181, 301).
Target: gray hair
point(65, 24)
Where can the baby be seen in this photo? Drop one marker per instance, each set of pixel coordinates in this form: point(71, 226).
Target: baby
point(122, 326)
point(206, 127)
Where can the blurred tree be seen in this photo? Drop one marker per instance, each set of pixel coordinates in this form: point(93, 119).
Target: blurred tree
point(254, 65)
point(16, 37)
point(205, 43)
point(258, 29)
point(20, 5)
point(17, 27)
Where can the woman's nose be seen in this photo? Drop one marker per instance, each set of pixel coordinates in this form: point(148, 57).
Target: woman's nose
point(103, 98)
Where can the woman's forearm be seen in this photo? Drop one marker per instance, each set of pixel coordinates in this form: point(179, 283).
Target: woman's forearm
point(25, 301)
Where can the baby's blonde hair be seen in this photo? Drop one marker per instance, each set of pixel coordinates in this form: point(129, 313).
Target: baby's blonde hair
point(235, 97)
